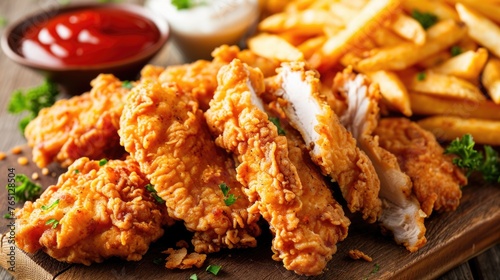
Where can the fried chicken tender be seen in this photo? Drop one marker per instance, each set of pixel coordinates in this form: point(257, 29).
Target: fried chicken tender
point(436, 180)
point(164, 130)
point(304, 236)
point(200, 77)
point(82, 126)
point(93, 213)
point(401, 213)
point(332, 147)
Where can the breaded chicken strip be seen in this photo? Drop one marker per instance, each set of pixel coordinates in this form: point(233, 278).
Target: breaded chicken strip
point(200, 77)
point(436, 180)
point(163, 129)
point(82, 126)
point(93, 213)
point(401, 213)
point(304, 236)
point(332, 147)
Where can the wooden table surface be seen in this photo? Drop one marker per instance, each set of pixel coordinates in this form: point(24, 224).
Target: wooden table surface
point(13, 76)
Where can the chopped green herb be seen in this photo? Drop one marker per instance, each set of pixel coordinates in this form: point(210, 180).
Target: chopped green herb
point(229, 199)
point(102, 162)
point(193, 277)
point(152, 190)
point(54, 204)
point(276, 122)
point(159, 261)
point(52, 222)
point(421, 76)
point(425, 19)
point(471, 160)
point(182, 4)
point(8, 216)
point(376, 268)
point(3, 21)
point(224, 188)
point(455, 50)
point(76, 171)
point(32, 100)
point(64, 2)
point(27, 190)
point(127, 84)
point(214, 269)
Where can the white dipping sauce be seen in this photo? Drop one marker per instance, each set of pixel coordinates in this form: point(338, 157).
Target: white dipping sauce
point(197, 31)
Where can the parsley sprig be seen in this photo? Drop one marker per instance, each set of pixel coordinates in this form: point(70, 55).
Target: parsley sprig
point(425, 19)
point(52, 222)
point(472, 160)
point(229, 198)
point(32, 100)
point(54, 204)
point(182, 4)
point(26, 190)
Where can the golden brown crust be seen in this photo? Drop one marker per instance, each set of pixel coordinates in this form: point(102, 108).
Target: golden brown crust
point(82, 126)
point(103, 211)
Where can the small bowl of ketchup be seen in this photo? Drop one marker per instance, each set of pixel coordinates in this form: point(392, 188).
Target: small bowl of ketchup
point(73, 44)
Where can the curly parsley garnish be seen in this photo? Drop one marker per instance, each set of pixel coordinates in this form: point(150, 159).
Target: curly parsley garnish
point(27, 190)
point(32, 100)
point(182, 4)
point(54, 204)
point(214, 269)
point(455, 50)
point(127, 84)
point(421, 76)
point(471, 160)
point(152, 190)
point(229, 198)
point(52, 222)
point(102, 162)
point(425, 19)
point(277, 123)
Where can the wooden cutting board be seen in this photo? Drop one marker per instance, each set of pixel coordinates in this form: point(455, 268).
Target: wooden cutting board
point(452, 239)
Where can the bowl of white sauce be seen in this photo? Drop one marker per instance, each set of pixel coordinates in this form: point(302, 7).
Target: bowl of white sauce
point(199, 26)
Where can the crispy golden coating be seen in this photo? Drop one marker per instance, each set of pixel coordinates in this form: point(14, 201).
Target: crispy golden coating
point(163, 129)
point(305, 221)
point(332, 147)
point(82, 126)
point(200, 77)
point(102, 211)
point(436, 180)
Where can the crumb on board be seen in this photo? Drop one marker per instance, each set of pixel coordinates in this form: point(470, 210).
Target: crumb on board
point(16, 150)
point(35, 176)
point(357, 254)
point(182, 244)
point(45, 171)
point(2, 155)
point(179, 258)
point(23, 160)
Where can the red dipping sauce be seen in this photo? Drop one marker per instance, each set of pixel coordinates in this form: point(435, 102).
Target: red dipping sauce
point(89, 37)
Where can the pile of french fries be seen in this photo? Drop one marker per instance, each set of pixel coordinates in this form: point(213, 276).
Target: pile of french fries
point(435, 60)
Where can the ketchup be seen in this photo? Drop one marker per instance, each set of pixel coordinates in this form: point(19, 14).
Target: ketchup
point(88, 37)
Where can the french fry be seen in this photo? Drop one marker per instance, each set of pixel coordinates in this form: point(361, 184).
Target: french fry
point(274, 47)
point(342, 11)
point(467, 65)
point(491, 79)
point(481, 29)
point(310, 46)
point(307, 22)
point(408, 28)
point(440, 36)
point(435, 59)
point(438, 8)
point(424, 104)
point(443, 85)
point(393, 90)
point(448, 128)
point(487, 8)
point(384, 37)
point(369, 17)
